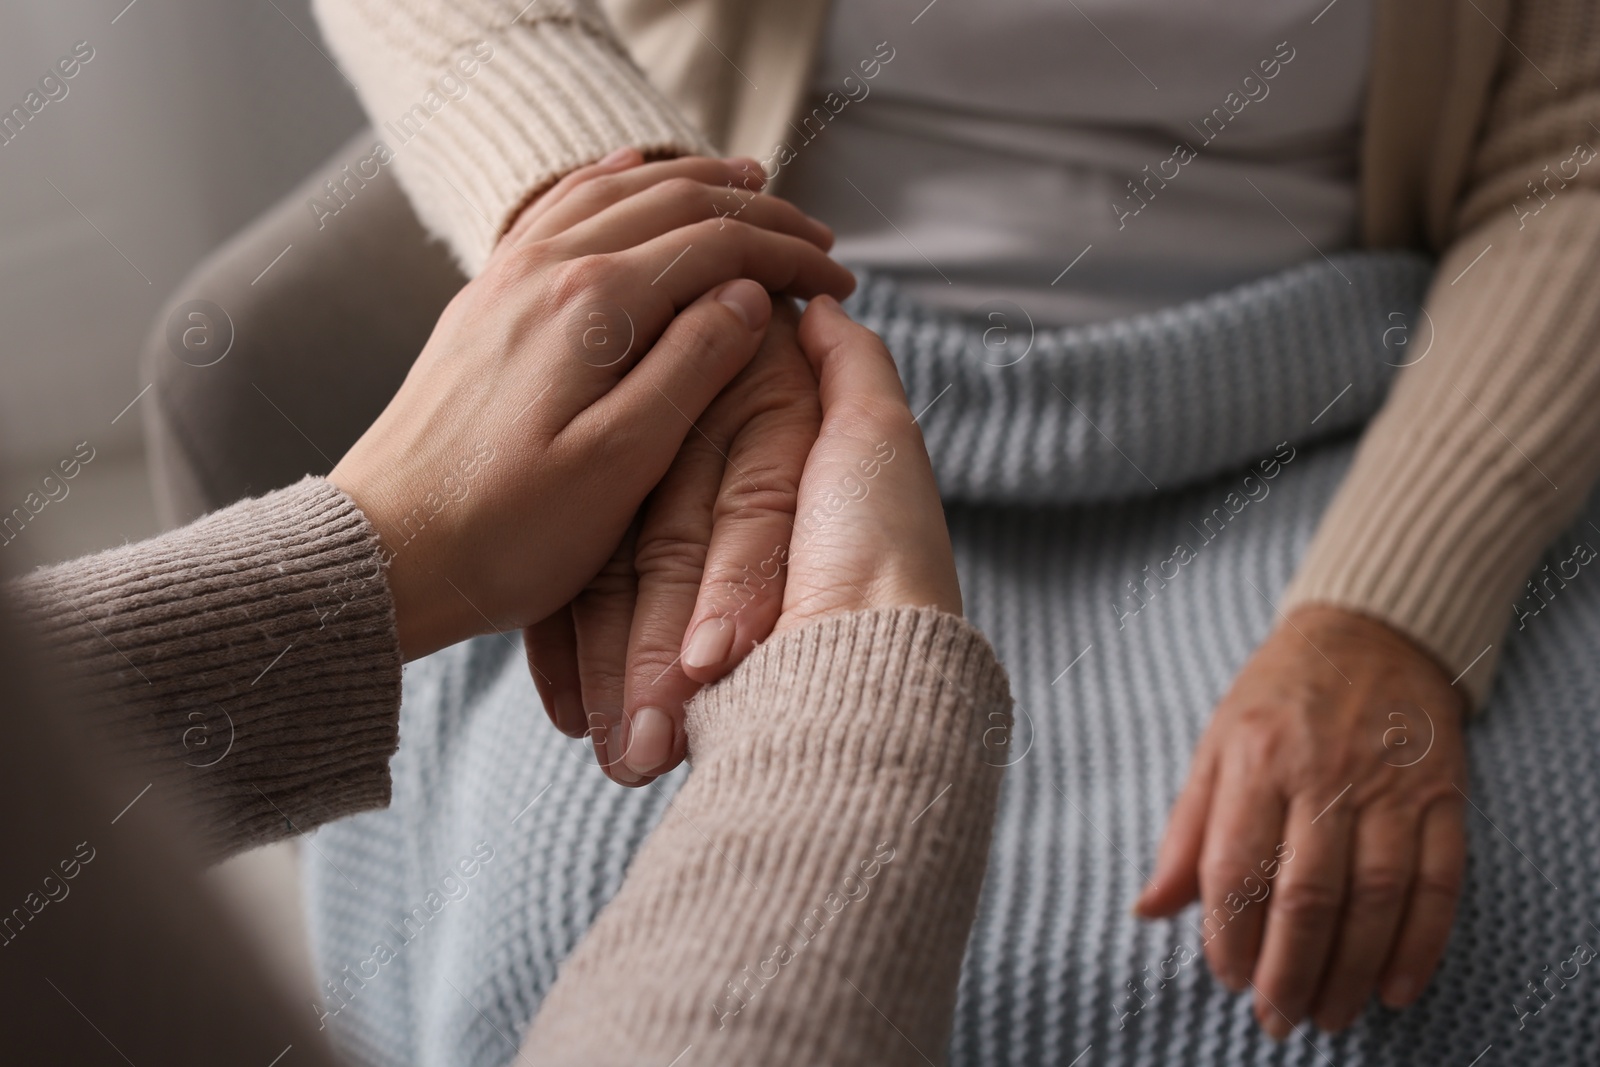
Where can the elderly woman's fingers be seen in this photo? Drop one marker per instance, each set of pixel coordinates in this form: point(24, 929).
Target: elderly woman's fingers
point(1303, 911)
point(551, 645)
point(1176, 880)
point(1431, 907)
point(670, 559)
point(602, 615)
point(1241, 838)
point(671, 203)
point(588, 191)
point(1385, 860)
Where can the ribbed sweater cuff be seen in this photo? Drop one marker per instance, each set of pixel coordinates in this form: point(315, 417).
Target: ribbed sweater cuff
point(249, 660)
point(550, 92)
point(1484, 452)
point(823, 861)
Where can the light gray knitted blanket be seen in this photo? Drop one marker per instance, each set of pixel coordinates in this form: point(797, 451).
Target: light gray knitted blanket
point(1071, 460)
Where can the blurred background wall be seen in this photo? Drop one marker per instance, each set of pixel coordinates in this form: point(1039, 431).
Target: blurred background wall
point(190, 118)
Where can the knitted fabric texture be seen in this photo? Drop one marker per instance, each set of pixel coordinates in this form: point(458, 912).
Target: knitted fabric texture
point(197, 645)
point(1051, 465)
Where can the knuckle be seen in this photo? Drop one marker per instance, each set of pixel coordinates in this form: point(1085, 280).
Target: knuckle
point(760, 497)
point(1444, 885)
point(687, 191)
point(671, 560)
point(1379, 886)
point(596, 191)
point(1258, 747)
point(1307, 902)
point(1221, 874)
point(585, 280)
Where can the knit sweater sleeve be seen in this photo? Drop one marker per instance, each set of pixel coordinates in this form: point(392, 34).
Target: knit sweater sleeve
point(485, 103)
point(248, 662)
point(1489, 443)
point(808, 896)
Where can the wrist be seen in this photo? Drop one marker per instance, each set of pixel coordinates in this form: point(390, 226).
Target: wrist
point(428, 614)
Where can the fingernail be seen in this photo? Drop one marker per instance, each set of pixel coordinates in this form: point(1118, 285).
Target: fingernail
point(1397, 992)
point(710, 644)
point(617, 156)
point(619, 744)
point(650, 733)
point(748, 300)
point(825, 301)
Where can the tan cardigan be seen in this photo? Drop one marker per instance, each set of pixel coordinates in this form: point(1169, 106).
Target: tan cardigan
point(1486, 446)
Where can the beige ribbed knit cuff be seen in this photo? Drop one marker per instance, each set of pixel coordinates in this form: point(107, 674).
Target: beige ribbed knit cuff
point(249, 661)
point(1483, 453)
point(823, 861)
point(547, 94)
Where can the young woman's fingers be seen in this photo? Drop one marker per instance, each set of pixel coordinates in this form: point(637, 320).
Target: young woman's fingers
point(673, 203)
point(869, 527)
point(1385, 859)
point(602, 616)
point(699, 353)
point(1431, 908)
point(1241, 836)
point(1176, 880)
point(1303, 911)
point(552, 648)
point(644, 418)
point(690, 260)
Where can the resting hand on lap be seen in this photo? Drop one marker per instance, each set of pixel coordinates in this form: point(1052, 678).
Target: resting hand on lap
point(1321, 825)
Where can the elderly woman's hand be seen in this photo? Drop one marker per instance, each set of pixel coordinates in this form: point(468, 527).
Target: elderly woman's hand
point(1322, 823)
point(507, 468)
point(758, 516)
point(706, 558)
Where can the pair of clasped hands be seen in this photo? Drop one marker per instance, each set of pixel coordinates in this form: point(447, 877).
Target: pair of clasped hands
point(657, 423)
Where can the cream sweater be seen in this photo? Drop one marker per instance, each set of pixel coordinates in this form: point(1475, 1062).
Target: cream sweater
point(1487, 444)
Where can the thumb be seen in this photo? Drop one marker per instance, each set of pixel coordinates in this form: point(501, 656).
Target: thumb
point(850, 361)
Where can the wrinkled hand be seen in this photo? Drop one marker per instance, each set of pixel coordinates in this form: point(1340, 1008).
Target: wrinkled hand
point(513, 430)
point(700, 579)
point(1322, 823)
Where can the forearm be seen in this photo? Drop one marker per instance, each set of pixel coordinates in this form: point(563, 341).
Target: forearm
point(248, 662)
point(484, 106)
point(1484, 451)
point(808, 897)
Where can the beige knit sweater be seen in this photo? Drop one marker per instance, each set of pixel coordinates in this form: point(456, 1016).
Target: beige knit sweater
point(246, 672)
point(1486, 446)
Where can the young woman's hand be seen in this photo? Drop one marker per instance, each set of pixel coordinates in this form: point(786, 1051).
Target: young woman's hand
point(1322, 823)
point(557, 387)
point(870, 530)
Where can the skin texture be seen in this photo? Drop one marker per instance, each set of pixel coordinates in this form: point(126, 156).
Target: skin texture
point(708, 550)
point(515, 427)
point(1327, 798)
